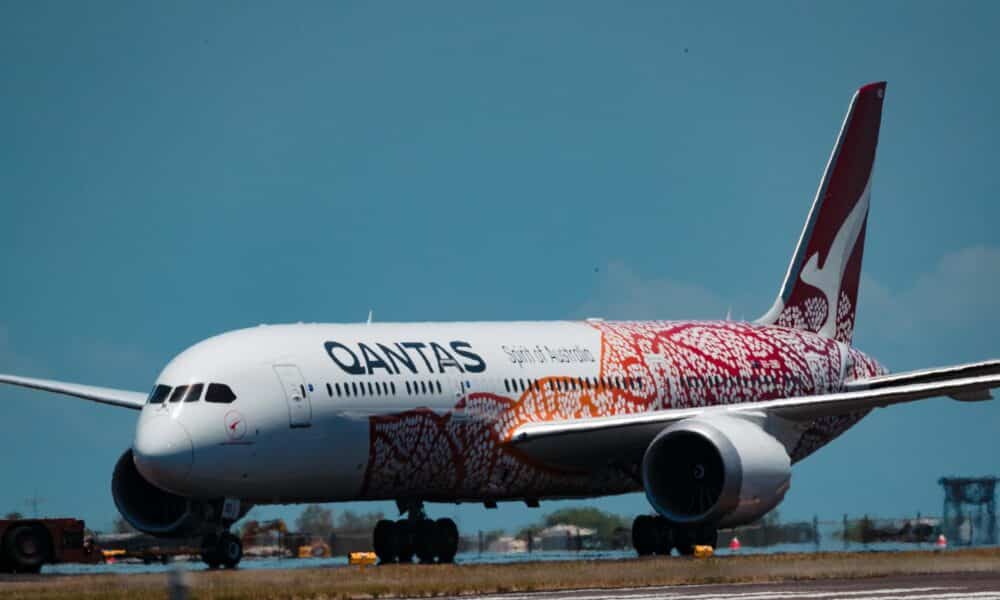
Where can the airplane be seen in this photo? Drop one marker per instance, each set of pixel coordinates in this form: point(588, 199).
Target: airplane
point(705, 417)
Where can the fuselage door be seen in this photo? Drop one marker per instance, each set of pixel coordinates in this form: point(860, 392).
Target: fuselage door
point(299, 408)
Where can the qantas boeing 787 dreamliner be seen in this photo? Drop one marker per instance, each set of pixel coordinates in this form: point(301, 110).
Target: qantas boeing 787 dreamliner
point(705, 417)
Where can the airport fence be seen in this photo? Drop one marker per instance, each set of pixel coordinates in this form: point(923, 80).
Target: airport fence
point(846, 533)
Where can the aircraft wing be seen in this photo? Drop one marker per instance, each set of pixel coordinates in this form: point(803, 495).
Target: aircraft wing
point(124, 398)
point(987, 367)
point(579, 442)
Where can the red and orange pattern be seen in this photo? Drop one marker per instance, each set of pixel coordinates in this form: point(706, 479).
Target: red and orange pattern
point(461, 454)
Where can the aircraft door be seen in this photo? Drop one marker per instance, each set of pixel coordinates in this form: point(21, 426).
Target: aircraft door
point(299, 408)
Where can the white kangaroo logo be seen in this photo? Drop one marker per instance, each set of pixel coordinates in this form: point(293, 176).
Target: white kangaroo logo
point(828, 279)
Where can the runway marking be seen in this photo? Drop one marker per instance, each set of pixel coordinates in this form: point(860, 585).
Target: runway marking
point(673, 593)
point(953, 596)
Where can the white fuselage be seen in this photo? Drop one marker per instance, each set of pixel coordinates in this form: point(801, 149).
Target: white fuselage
point(388, 410)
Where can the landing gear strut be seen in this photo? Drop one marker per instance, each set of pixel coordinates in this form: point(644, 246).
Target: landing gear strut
point(431, 541)
point(223, 550)
point(656, 535)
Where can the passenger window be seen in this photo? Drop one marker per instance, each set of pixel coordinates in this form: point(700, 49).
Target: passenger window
point(347, 389)
point(337, 387)
point(219, 393)
point(506, 384)
point(194, 392)
point(159, 394)
point(354, 387)
point(178, 394)
point(392, 386)
point(438, 384)
point(408, 388)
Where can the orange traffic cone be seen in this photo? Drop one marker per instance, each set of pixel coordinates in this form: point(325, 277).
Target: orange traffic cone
point(941, 543)
point(734, 544)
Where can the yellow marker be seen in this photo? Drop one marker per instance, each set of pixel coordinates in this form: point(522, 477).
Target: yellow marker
point(703, 551)
point(361, 558)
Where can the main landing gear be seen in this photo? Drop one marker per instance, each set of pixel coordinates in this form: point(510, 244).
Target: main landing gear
point(222, 550)
point(416, 535)
point(656, 535)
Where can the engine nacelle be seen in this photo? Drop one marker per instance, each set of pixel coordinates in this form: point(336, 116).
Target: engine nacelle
point(150, 509)
point(724, 471)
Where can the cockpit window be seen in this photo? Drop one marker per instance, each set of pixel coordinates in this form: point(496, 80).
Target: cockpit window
point(194, 392)
point(159, 394)
point(219, 393)
point(178, 394)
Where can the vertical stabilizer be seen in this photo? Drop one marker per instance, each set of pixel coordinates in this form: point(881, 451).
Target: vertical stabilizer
point(820, 291)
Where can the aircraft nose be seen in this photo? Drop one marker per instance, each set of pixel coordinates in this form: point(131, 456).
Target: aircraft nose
point(164, 453)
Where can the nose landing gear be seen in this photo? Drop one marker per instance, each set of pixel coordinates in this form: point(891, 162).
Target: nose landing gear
point(223, 550)
point(431, 541)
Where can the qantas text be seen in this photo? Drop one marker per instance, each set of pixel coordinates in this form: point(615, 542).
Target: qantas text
point(362, 358)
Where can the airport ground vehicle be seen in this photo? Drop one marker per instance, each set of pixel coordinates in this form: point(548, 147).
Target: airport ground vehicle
point(27, 544)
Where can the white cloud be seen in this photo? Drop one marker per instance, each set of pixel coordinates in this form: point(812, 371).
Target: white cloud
point(623, 294)
point(953, 301)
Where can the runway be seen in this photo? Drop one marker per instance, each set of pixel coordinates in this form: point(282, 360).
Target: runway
point(978, 586)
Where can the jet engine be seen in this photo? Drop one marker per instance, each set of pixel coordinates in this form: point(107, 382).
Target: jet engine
point(720, 471)
point(150, 509)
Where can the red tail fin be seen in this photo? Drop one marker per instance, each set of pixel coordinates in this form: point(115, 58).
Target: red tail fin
point(820, 292)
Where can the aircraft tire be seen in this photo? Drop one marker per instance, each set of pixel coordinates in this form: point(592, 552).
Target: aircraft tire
point(424, 542)
point(385, 541)
point(210, 551)
point(664, 536)
point(27, 548)
point(405, 536)
point(229, 550)
point(445, 540)
point(707, 536)
point(644, 535)
point(684, 541)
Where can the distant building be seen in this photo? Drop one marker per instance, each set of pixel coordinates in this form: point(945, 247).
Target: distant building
point(507, 544)
point(565, 537)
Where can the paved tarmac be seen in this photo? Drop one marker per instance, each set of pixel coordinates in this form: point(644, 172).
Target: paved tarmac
point(976, 586)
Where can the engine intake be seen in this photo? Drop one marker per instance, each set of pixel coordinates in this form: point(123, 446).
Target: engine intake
point(148, 508)
point(724, 471)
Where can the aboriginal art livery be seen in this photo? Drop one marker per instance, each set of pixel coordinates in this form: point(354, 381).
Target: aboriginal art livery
point(706, 418)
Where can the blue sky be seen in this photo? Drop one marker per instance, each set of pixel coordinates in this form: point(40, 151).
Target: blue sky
point(172, 171)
